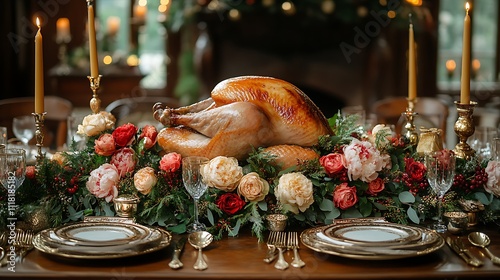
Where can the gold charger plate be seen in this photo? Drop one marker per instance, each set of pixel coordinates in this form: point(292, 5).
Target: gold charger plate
point(47, 241)
point(315, 239)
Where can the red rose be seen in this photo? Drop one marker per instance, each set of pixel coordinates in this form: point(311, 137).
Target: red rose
point(415, 169)
point(344, 196)
point(170, 162)
point(105, 145)
point(149, 134)
point(230, 203)
point(333, 163)
point(375, 186)
point(30, 172)
point(124, 134)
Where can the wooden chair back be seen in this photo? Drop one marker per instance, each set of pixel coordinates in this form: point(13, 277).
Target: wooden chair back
point(55, 125)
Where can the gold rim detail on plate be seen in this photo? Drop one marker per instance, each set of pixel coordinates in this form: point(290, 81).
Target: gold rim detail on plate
point(149, 240)
point(373, 234)
point(315, 239)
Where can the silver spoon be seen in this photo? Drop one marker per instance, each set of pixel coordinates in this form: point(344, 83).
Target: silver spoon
point(200, 240)
point(482, 240)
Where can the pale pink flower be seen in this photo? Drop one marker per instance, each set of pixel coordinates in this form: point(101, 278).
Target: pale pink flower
point(103, 182)
point(124, 160)
point(493, 171)
point(363, 161)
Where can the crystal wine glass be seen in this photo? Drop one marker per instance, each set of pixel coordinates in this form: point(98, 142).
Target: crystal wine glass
point(12, 168)
point(24, 128)
point(194, 185)
point(440, 173)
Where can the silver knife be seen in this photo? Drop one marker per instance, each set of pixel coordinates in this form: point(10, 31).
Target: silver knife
point(456, 249)
point(175, 263)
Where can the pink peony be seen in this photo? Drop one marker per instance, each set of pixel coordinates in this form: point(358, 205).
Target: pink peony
point(124, 160)
point(170, 162)
point(493, 171)
point(103, 182)
point(363, 161)
point(105, 145)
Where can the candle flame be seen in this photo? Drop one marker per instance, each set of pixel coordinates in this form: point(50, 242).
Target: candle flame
point(467, 7)
point(38, 22)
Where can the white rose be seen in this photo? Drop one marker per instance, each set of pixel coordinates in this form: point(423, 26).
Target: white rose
point(145, 179)
point(109, 118)
point(295, 192)
point(92, 125)
point(222, 173)
point(252, 187)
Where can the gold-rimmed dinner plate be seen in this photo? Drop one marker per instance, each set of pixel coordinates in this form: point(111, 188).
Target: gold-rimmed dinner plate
point(373, 234)
point(315, 239)
point(91, 241)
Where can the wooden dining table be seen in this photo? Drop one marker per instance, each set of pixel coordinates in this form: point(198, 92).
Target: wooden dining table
point(241, 257)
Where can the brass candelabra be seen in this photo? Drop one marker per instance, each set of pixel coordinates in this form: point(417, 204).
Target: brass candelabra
point(39, 123)
point(464, 128)
point(95, 102)
point(409, 126)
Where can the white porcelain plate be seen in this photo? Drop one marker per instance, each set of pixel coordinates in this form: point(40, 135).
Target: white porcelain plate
point(373, 234)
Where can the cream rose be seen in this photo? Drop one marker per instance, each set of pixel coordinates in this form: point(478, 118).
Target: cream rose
point(92, 125)
point(145, 179)
point(252, 187)
point(295, 192)
point(109, 118)
point(222, 173)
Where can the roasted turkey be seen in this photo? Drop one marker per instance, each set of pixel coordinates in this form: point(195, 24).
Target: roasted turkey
point(242, 113)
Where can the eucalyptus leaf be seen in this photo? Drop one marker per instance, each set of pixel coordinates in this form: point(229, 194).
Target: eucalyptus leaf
point(412, 214)
point(406, 197)
point(327, 205)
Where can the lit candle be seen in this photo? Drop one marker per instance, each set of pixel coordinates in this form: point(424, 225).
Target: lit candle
point(476, 65)
point(140, 12)
point(94, 66)
point(412, 71)
point(465, 82)
point(113, 25)
point(63, 31)
point(39, 105)
point(450, 67)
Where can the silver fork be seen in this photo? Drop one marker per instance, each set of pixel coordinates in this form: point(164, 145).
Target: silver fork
point(281, 245)
point(293, 243)
point(271, 248)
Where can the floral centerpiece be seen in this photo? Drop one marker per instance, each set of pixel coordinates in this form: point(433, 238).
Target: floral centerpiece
point(358, 174)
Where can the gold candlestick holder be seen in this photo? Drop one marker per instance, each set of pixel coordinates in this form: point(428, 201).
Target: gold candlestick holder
point(39, 123)
point(464, 128)
point(95, 102)
point(410, 131)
